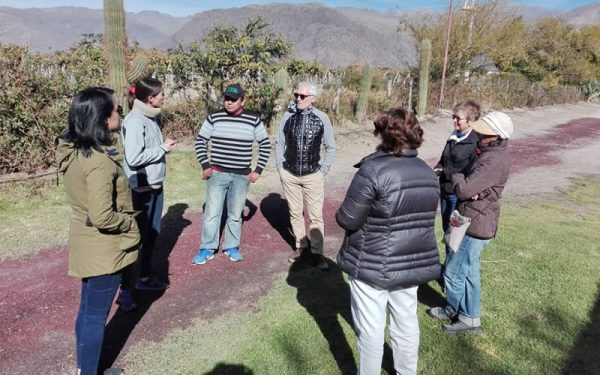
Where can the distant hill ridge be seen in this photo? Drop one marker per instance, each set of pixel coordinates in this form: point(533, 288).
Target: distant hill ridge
point(331, 36)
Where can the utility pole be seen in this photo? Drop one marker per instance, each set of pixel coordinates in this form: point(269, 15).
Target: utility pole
point(468, 6)
point(448, 30)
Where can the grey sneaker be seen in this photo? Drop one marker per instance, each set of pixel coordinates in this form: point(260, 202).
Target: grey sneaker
point(460, 327)
point(438, 313)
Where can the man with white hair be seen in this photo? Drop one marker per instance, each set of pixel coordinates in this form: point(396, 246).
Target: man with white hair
point(302, 132)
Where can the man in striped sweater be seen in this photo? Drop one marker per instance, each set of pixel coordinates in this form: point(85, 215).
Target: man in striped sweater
point(231, 132)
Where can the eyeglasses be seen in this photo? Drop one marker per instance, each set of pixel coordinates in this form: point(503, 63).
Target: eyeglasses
point(458, 118)
point(120, 110)
point(301, 96)
point(230, 99)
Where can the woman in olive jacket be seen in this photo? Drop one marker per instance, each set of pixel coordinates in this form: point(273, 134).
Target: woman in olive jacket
point(103, 235)
point(390, 246)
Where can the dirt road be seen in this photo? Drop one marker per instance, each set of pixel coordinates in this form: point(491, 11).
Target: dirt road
point(38, 302)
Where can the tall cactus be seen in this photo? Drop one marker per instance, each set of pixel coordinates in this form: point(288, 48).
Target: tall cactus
point(363, 95)
point(115, 41)
point(424, 76)
point(281, 81)
point(116, 47)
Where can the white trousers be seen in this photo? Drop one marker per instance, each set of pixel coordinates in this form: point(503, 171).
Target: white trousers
point(370, 307)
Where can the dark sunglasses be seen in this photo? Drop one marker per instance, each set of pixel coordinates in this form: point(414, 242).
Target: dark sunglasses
point(455, 117)
point(230, 99)
point(301, 96)
point(120, 110)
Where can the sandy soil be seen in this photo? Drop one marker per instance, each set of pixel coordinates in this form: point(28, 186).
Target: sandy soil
point(38, 302)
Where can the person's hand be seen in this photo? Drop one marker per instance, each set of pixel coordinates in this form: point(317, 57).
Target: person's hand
point(169, 144)
point(207, 173)
point(253, 176)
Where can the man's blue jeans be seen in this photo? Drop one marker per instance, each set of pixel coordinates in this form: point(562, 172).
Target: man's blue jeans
point(462, 281)
point(151, 204)
point(219, 186)
point(447, 206)
point(97, 294)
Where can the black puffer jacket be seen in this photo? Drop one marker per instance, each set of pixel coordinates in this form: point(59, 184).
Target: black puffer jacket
point(389, 214)
point(457, 157)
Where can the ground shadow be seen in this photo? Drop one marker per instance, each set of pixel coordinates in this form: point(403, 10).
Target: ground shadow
point(430, 297)
point(325, 295)
point(584, 357)
point(227, 369)
point(172, 225)
point(275, 209)
point(123, 323)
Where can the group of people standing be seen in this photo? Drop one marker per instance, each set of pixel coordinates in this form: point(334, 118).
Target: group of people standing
point(389, 212)
point(114, 174)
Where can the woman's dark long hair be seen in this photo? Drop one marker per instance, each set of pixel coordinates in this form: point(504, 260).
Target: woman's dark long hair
point(143, 89)
point(398, 128)
point(88, 115)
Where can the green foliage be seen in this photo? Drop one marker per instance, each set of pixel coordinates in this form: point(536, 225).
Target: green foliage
point(35, 91)
point(592, 90)
point(299, 68)
point(248, 56)
point(549, 51)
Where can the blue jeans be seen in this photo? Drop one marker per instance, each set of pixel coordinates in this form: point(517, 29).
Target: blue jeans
point(462, 281)
point(447, 206)
point(97, 294)
point(219, 186)
point(151, 204)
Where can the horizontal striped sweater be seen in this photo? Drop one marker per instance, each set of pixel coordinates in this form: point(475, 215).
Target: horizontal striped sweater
point(232, 138)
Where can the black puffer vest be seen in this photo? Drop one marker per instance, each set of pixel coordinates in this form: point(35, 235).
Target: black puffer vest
point(303, 136)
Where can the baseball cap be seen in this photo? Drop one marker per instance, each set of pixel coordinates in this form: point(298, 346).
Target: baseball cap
point(234, 91)
point(494, 123)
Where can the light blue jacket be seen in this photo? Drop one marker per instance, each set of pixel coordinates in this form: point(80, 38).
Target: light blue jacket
point(145, 162)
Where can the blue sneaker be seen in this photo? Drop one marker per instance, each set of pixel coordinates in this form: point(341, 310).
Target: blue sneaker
point(203, 256)
point(234, 254)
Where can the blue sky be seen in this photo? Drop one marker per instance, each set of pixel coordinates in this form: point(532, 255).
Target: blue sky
point(187, 7)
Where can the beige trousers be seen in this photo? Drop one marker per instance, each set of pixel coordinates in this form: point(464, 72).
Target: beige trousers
point(296, 190)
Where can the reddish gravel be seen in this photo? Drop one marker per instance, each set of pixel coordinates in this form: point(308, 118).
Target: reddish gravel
point(39, 301)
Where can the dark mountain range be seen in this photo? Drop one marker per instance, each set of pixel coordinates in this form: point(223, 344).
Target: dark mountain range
point(51, 29)
point(331, 36)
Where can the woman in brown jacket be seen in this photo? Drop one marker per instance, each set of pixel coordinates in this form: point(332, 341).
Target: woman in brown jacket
point(103, 235)
point(478, 193)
